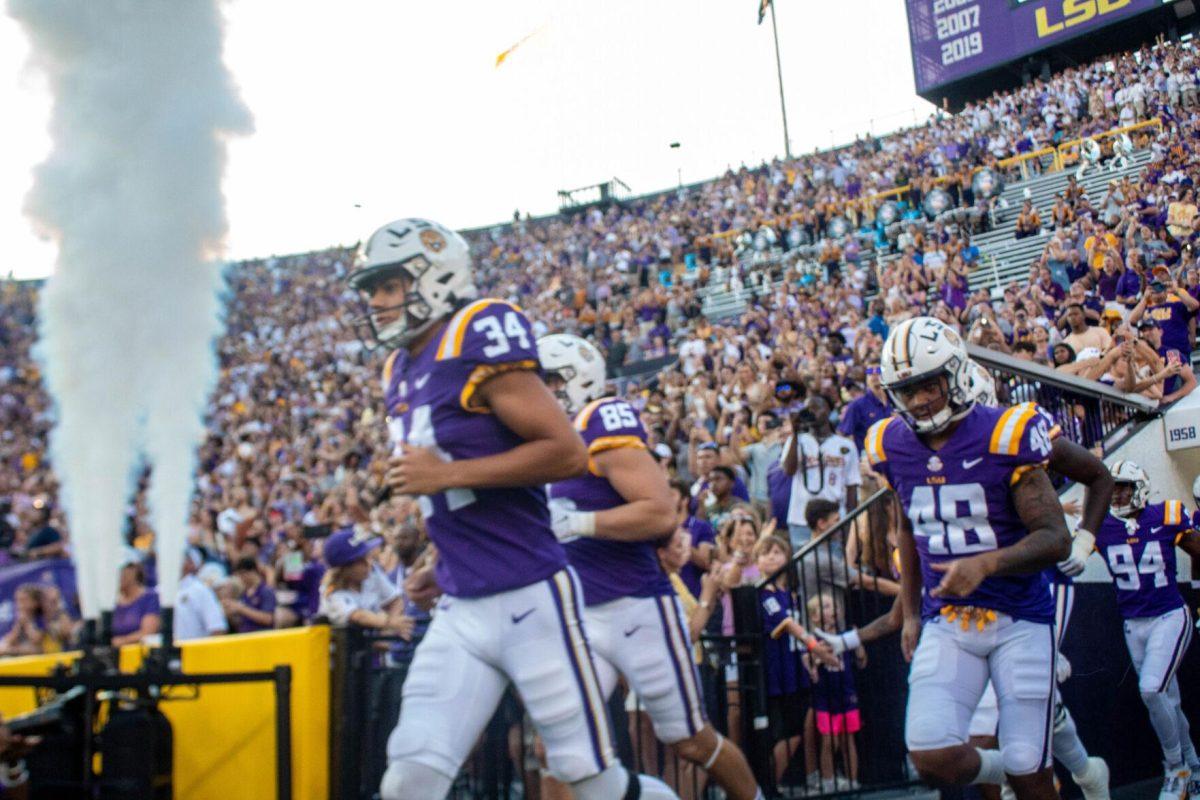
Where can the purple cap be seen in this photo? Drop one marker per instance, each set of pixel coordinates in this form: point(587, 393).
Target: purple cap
point(349, 545)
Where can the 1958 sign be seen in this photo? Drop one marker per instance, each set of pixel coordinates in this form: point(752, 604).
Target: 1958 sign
point(1180, 436)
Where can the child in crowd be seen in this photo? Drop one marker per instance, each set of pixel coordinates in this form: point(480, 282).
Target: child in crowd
point(835, 700)
point(787, 682)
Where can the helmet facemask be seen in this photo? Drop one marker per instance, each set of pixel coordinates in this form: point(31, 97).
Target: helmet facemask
point(414, 314)
point(957, 400)
point(557, 380)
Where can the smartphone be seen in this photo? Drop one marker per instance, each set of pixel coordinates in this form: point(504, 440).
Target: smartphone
point(1173, 357)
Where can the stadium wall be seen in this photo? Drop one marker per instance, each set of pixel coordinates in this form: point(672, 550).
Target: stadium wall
point(225, 739)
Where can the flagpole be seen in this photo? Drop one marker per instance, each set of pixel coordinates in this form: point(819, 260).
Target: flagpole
point(787, 142)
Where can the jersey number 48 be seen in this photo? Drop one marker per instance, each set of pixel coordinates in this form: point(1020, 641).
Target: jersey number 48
point(935, 514)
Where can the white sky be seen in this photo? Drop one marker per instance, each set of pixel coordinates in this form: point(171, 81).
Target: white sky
point(397, 106)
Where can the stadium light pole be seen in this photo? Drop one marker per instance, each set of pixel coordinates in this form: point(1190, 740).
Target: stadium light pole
point(787, 141)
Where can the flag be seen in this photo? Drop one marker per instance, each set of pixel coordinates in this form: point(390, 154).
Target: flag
point(500, 58)
point(762, 9)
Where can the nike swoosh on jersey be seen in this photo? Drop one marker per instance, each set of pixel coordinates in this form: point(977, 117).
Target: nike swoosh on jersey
point(967, 464)
point(632, 631)
point(420, 382)
point(1156, 530)
point(516, 618)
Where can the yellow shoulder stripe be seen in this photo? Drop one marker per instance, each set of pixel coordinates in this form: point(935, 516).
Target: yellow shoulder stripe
point(615, 443)
point(452, 338)
point(480, 374)
point(1006, 436)
point(388, 366)
point(1172, 512)
point(585, 414)
point(874, 441)
point(1020, 471)
point(606, 443)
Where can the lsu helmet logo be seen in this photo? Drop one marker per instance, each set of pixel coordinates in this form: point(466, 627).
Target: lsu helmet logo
point(433, 240)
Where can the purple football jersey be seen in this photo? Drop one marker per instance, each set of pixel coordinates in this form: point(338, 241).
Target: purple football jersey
point(1140, 555)
point(781, 657)
point(959, 499)
point(488, 540)
point(609, 569)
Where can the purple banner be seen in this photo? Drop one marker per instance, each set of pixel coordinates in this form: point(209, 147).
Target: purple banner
point(952, 39)
point(58, 572)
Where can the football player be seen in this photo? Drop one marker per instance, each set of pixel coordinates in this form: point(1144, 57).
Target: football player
point(1138, 542)
point(611, 519)
point(476, 436)
point(1090, 773)
point(983, 523)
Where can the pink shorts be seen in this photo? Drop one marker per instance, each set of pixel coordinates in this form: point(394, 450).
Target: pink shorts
point(832, 724)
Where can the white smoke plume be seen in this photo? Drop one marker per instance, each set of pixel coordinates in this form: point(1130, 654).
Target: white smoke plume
point(131, 192)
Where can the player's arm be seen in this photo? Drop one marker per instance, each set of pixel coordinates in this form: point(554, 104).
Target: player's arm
point(1082, 466)
point(551, 450)
point(1045, 545)
point(1048, 541)
point(1189, 542)
point(854, 638)
point(910, 589)
point(649, 510)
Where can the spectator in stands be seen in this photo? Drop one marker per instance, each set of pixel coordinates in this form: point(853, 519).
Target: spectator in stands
point(1178, 379)
point(26, 634)
point(1029, 222)
point(61, 630)
point(701, 544)
point(298, 573)
point(198, 613)
point(356, 592)
point(698, 607)
point(759, 456)
point(821, 463)
point(1081, 335)
point(860, 414)
point(255, 609)
point(1172, 307)
point(835, 699)
point(716, 500)
point(136, 614)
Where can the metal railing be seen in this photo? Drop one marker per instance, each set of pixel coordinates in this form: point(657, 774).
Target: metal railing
point(506, 763)
point(851, 739)
point(1090, 413)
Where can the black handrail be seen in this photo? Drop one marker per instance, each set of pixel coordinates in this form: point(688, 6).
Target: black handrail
point(826, 536)
point(1033, 371)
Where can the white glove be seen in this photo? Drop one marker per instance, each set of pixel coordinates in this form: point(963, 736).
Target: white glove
point(1081, 547)
point(1062, 668)
point(840, 642)
point(568, 525)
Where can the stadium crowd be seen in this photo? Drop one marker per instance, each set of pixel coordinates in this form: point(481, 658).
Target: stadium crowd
point(296, 445)
point(293, 422)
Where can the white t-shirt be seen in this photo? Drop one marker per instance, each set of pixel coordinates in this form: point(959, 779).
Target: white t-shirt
point(823, 470)
point(198, 612)
point(376, 592)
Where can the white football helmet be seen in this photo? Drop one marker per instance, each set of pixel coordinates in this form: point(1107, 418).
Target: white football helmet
point(578, 364)
point(1129, 472)
point(983, 385)
point(434, 258)
point(919, 349)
